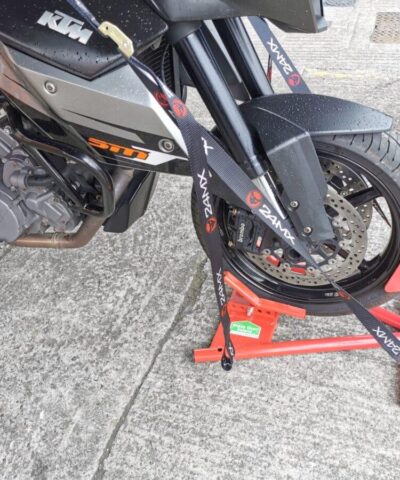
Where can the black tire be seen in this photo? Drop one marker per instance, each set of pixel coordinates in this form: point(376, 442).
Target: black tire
point(378, 154)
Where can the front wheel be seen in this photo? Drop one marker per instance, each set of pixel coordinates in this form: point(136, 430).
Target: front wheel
point(363, 202)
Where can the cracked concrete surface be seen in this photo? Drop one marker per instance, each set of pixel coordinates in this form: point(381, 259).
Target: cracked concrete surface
point(188, 302)
point(80, 331)
point(96, 376)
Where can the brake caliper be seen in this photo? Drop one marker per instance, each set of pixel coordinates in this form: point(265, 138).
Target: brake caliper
point(248, 234)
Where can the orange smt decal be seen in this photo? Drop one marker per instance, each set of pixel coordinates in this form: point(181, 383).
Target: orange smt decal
point(118, 149)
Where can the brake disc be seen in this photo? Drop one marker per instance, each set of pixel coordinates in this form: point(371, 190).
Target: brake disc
point(346, 182)
point(352, 236)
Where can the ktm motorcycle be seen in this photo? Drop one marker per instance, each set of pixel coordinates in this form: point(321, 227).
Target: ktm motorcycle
point(83, 141)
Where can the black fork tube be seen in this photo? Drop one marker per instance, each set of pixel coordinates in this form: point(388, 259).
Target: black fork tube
point(215, 93)
point(241, 49)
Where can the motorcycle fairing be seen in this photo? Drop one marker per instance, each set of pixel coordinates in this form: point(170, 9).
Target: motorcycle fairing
point(107, 108)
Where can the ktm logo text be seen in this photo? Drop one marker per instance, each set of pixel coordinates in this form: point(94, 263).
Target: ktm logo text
point(66, 25)
point(280, 57)
point(118, 149)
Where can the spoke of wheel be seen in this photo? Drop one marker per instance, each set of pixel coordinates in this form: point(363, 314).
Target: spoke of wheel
point(336, 183)
point(341, 253)
point(368, 264)
point(382, 213)
point(363, 196)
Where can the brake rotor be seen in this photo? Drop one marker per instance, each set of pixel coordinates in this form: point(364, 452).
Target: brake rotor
point(346, 182)
point(352, 240)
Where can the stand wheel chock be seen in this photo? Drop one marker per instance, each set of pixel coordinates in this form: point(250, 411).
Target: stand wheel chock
point(254, 321)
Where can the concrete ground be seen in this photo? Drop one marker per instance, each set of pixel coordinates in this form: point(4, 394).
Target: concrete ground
point(96, 375)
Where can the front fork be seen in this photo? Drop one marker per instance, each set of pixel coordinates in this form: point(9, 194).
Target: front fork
point(242, 141)
point(209, 81)
point(213, 89)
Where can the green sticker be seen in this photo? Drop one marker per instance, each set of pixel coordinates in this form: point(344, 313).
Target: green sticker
point(245, 329)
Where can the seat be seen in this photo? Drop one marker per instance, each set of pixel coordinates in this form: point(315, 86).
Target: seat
point(290, 15)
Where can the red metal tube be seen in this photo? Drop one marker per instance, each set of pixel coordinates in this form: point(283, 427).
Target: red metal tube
point(294, 347)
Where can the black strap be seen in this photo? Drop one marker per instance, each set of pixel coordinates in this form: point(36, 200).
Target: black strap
point(204, 152)
point(285, 65)
point(195, 138)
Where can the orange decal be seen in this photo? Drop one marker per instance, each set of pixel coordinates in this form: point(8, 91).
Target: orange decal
point(95, 142)
point(118, 149)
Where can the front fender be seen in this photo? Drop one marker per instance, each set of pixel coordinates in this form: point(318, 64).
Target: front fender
point(285, 125)
point(316, 114)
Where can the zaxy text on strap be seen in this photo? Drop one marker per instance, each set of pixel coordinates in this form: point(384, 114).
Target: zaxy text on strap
point(204, 154)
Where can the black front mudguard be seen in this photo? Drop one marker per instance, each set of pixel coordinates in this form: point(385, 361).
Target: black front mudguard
point(316, 114)
point(285, 125)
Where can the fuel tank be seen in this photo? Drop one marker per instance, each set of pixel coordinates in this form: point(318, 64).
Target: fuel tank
point(53, 32)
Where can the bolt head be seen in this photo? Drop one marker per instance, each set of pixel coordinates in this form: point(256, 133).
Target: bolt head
point(166, 145)
point(294, 204)
point(50, 87)
point(307, 230)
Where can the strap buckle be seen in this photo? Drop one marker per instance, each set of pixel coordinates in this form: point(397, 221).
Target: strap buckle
point(124, 43)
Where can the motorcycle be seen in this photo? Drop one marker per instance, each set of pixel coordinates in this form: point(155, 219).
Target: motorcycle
point(83, 141)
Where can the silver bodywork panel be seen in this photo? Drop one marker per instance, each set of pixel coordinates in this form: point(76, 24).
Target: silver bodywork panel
point(116, 104)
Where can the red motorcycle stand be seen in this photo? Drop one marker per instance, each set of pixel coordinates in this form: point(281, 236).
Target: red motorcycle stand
point(254, 321)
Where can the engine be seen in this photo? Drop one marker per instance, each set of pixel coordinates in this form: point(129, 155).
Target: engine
point(28, 202)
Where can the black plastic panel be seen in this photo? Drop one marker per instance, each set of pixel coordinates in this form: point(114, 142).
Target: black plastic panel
point(290, 15)
point(133, 203)
point(19, 28)
point(317, 114)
